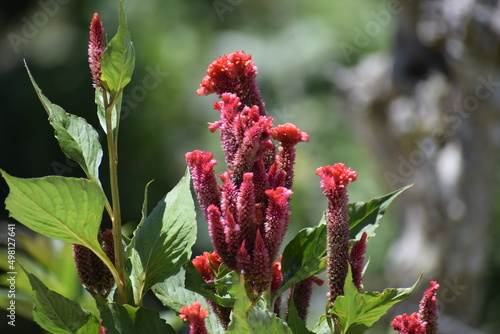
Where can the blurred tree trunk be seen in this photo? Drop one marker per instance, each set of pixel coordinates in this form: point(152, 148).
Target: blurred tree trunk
point(430, 114)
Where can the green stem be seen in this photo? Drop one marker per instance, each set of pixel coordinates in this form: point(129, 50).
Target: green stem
point(116, 212)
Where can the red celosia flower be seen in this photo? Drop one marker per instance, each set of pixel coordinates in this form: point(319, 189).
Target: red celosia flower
point(408, 324)
point(196, 315)
point(334, 181)
point(96, 48)
point(428, 311)
point(233, 73)
point(356, 259)
point(207, 264)
point(248, 214)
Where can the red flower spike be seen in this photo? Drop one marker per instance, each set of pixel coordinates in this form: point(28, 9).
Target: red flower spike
point(260, 272)
point(216, 231)
point(408, 324)
point(245, 208)
point(276, 282)
point(357, 260)
point(289, 136)
point(277, 217)
point(428, 311)
point(334, 180)
point(207, 190)
point(196, 315)
point(233, 73)
point(96, 49)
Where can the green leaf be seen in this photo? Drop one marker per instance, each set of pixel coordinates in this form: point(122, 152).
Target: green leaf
point(365, 216)
point(196, 283)
point(304, 256)
point(101, 110)
point(358, 311)
point(126, 319)
point(322, 326)
point(248, 319)
point(57, 314)
point(78, 140)
point(294, 321)
point(118, 59)
point(162, 243)
point(174, 295)
point(63, 208)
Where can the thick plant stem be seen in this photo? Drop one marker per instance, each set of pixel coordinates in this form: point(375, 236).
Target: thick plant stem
point(116, 217)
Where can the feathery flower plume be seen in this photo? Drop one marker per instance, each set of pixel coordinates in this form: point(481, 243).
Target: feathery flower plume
point(302, 293)
point(96, 49)
point(233, 73)
point(196, 315)
point(334, 181)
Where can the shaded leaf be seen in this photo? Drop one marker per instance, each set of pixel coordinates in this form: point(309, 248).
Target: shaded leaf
point(162, 243)
point(304, 256)
point(78, 140)
point(126, 319)
point(57, 314)
point(358, 311)
point(249, 319)
point(174, 295)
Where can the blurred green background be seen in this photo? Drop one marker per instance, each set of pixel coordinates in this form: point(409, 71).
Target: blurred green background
point(295, 45)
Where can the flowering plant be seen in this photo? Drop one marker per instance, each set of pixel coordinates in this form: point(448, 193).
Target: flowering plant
point(237, 288)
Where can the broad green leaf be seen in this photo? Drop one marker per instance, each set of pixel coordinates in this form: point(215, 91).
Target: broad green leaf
point(196, 283)
point(358, 311)
point(162, 243)
point(249, 319)
point(57, 314)
point(304, 256)
point(78, 139)
point(63, 208)
point(365, 216)
point(322, 326)
point(126, 319)
point(294, 321)
point(174, 295)
point(118, 59)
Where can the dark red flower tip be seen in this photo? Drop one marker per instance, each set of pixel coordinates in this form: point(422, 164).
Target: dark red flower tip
point(288, 134)
point(198, 157)
point(195, 314)
point(226, 71)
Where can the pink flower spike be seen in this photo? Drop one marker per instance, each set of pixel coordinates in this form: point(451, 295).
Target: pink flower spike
point(428, 309)
point(96, 49)
point(233, 73)
point(196, 315)
point(289, 136)
point(277, 217)
point(334, 180)
point(205, 183)
point(357, 259)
